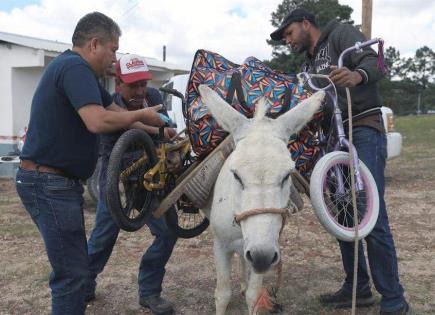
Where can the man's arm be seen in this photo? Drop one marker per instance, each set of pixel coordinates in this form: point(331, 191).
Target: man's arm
point(365, 62)
point(99, 120)
point(169, 132)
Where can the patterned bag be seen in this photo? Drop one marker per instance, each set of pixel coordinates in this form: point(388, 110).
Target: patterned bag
point(241, 86)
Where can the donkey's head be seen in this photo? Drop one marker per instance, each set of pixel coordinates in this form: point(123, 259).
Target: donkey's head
point(259, 171)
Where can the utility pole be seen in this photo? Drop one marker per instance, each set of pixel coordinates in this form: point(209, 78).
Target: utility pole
point(367, 6)
point(419, 103)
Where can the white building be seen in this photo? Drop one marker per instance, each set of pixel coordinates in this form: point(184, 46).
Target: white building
point(23, 60)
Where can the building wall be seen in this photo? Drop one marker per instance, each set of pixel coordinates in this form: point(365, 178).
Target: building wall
point(13, 59)
point(24, 83)
point(20, 70)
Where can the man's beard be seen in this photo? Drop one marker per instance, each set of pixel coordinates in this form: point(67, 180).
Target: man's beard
point(303, 45)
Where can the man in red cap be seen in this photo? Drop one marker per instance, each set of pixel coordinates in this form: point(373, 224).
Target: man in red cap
point(132, 76)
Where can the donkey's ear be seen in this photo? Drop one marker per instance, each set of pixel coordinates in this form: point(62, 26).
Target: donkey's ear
point(296, 118)
point(226, 116)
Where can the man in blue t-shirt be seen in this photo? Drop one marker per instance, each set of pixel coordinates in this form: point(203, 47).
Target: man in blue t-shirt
point(69, 108)
point(132, 75)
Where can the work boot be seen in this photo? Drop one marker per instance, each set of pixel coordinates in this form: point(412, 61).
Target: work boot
point(343, 299)
point(157, 304)
point(405, 310)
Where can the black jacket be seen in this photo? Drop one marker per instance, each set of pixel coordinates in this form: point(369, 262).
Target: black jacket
point(334, 39)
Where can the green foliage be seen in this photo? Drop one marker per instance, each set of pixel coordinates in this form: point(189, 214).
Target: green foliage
point(421, 69)
point(407, 78)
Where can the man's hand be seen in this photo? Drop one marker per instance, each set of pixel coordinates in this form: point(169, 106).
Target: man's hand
point(170, 133)
point(343, 77)
point(150, 116)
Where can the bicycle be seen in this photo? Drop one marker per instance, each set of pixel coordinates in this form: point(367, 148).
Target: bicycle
point(143, 180)
point(329, 187)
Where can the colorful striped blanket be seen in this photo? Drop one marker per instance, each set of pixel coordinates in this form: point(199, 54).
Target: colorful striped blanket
point(241, 86)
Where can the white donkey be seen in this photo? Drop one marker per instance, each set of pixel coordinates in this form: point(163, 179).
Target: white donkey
point(252, 189)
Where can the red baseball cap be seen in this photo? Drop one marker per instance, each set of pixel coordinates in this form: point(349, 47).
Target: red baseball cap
point(132, 68)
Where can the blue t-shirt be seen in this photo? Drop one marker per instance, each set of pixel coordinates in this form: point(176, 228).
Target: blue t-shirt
point(108, 140)
point(57, 136)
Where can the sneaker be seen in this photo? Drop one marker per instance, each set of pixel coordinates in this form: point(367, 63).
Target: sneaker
point(157, 304)
point(343, 299)
point(405, 310)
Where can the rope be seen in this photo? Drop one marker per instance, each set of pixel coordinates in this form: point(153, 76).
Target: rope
point(355, 210)
point(242, 216)
point(263, 300)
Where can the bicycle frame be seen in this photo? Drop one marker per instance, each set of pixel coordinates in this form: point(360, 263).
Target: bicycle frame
point(341, 143)
point(160, 168)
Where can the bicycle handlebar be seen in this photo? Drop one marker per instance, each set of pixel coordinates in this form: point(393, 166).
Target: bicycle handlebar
point(172, 91)
point(179, 95)
point(357, 46)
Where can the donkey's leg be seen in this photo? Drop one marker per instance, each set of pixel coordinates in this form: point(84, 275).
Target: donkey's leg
point(254, 287)
point(222, 293)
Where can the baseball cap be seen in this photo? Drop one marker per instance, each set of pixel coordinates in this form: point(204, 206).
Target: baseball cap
point(132, 68)
point(297, 15)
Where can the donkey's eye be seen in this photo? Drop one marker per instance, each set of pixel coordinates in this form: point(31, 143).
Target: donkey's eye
point(237, 177)
point(285, 179)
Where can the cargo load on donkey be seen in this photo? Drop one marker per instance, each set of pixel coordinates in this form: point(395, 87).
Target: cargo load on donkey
point(242, 86)
point(150, 182)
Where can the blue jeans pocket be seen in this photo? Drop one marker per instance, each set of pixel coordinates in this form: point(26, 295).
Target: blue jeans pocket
point(27, 192)
point(62, 187)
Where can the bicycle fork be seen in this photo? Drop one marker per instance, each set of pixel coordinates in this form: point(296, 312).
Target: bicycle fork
point(343, 143)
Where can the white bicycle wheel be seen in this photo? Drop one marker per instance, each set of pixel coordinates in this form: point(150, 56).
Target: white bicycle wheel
point(332, 202)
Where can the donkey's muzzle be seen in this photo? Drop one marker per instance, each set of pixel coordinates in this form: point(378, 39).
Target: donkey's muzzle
point(262, 259)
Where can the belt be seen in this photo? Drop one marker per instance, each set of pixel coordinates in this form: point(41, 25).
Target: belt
point(32, 166)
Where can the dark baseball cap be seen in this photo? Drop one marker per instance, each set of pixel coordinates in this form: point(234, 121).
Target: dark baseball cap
point(297, 15)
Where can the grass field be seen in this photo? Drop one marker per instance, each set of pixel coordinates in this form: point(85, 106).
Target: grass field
point(311, 261)
point(418, 136)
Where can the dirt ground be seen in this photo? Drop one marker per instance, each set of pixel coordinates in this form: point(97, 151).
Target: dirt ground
point(311, 261)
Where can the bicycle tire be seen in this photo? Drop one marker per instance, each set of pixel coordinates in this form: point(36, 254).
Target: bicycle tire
point(175, 216)
point(129, 210)
point(332, 209)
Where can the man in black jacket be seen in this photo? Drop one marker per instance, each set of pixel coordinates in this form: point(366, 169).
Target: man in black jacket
point(360, 74)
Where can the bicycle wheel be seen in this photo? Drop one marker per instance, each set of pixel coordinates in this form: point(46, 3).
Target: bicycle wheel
point(332, 202)
point(127, 200)
point(185, 220)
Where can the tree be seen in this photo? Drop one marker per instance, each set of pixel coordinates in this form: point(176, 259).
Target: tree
point(394, 63)
point(421, 68)
point(325, 10)
point(409, 86)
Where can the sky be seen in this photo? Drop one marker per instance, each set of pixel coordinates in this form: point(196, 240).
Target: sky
point(236, 29)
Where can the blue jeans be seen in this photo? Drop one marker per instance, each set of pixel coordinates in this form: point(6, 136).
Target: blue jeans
point(55, 204)
point(371, 147)
point(103, 238)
